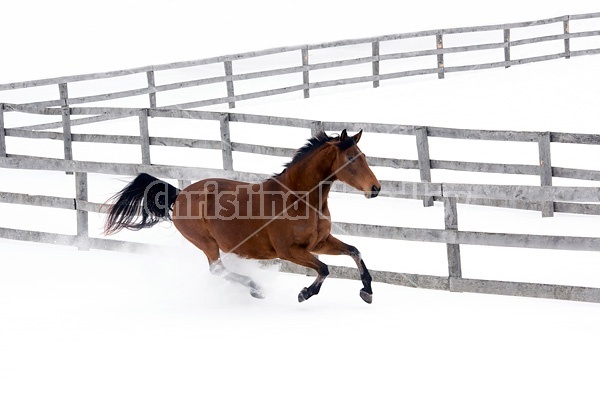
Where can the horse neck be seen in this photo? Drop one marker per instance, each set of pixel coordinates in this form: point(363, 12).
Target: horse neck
point(311, 174)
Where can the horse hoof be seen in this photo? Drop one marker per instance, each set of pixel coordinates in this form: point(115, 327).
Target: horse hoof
point(303, 295)
point(257, 294)
point(367, 297)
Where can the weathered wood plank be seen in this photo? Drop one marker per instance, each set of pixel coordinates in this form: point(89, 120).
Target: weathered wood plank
point(545, 170)
point(96, 98)
point(392, 163)
point(229, 82)
point(517, 169)
point(263, 150)
point(577, 138)
point(507, 46)
point(573, 208)
point(163, 171)
point(528, 241)
point(118, 139)
point(66, 122)
point(271, 120)
point(370, 127)
point(414, 190)
point(151, 88)
point(2, 132)
point(538, 290)
point(567, 30)
point(37, 200)
point(30, 134)
point(574, 173)
point(88, 206)
point(144, 136)
point(74, 122)
point(577, 208)
point(522, 193)
point(305, 72)
point(468, 238)
point(316, 128)
point(432, 52)
point(439, 40)
point(226, 147)
point(183, 183)
point(375, 54)
point(185, 114)
point(190, 143)
point(72, 240)
point(241, 97)
point(478, 134)
point(451, 225)
point(424, 162)
point(38, 237)
point(81, 194)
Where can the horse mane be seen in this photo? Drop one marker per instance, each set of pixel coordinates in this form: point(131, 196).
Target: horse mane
point(313, 144)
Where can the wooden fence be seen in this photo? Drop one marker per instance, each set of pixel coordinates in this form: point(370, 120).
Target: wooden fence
point(424, 164)
point(377, 58)
point(545, 198)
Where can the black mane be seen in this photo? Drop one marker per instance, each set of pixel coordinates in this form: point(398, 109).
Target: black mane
point(313, 143)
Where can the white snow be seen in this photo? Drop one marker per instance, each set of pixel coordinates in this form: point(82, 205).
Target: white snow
point(87, 325)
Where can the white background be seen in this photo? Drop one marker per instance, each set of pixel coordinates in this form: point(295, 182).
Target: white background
point(84, 325)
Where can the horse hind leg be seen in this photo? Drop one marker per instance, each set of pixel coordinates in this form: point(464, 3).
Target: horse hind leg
point(217, 268)
point(210, 248)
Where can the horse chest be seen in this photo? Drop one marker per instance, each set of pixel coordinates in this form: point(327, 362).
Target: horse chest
point(308, 233)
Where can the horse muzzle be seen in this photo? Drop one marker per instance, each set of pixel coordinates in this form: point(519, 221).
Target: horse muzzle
point(373, 193)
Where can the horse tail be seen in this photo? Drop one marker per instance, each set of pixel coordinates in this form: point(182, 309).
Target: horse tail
point(143, 203)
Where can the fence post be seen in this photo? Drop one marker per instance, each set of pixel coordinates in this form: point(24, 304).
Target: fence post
point(144, 136)
point(226, 142)
point(151, 85)
point(439, 41)
point(451, 225)
point(66, 123)
point(566, 30)
point(2, 132)
point(375, 52)
point(316, 127)
point(424, 161)
point(507, 46)
point(183, 183)
point(545, 170)
point(229, 82)
point(81, 194)
point(305, 72)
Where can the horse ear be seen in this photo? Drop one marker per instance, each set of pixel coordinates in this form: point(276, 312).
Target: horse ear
point(343, 136)
point(357, 136)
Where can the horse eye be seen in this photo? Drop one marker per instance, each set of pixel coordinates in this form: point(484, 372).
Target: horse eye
point(351, 158)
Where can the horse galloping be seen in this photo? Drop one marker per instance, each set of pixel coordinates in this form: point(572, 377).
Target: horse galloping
point(285, 216)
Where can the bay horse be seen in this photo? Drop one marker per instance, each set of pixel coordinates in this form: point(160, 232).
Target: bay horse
point(285, 216)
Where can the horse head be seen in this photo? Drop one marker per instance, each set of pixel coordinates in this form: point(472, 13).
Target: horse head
point(350, 165)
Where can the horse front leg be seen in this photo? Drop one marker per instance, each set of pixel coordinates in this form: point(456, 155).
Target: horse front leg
point(334, 246)
point(301, 256)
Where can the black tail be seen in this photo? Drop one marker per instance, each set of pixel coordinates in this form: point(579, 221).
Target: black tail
point(146, 197)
